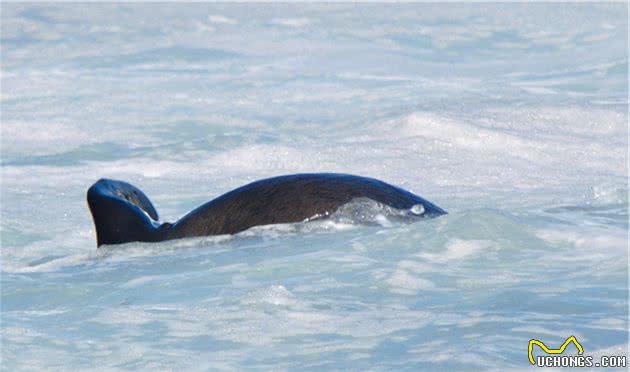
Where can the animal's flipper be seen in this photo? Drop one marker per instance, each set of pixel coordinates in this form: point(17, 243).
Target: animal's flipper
point(121, 213)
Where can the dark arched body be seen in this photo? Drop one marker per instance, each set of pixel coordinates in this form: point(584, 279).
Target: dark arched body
point(122, 213)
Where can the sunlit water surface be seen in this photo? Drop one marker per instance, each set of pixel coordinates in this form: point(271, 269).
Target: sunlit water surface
point(511, 117)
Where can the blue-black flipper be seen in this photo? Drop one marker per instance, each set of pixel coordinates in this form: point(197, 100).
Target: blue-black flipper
point(121, 213)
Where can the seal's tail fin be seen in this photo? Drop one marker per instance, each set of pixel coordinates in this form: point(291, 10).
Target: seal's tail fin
point(121, 213)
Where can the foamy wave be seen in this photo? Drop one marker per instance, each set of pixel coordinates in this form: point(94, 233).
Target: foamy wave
point(292, 22)
point(403, 282)
point(459, 249)
point(275, 295)
point(222, 19)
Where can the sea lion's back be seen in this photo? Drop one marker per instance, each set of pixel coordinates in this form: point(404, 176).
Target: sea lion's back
point(291, 198)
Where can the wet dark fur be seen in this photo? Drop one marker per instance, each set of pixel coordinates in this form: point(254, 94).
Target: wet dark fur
point(122, 213)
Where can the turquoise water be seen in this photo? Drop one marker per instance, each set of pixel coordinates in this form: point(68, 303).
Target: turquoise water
point(511, 117)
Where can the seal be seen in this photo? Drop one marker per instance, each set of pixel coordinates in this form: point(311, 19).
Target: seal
point(122, 213)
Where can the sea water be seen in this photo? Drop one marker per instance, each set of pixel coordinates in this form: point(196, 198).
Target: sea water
point(511, 117)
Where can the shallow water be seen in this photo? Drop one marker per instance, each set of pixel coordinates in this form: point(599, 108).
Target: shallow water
point(511, 117)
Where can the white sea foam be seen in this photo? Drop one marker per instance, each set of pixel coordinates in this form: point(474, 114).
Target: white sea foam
point(222, 19)
point(405, 283)
point(458, 249)
point(292, 22)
